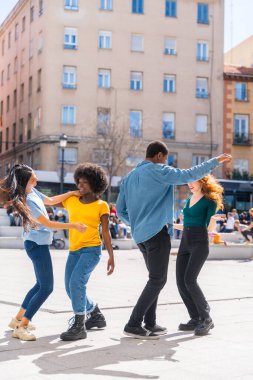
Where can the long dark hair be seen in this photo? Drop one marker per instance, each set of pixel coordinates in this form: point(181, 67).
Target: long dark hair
point(13, 188)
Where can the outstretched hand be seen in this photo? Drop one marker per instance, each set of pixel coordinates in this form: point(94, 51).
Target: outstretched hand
point(224, 158)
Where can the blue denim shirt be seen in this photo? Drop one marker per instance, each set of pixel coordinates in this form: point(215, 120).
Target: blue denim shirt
point(145, 201)
point(41, 235)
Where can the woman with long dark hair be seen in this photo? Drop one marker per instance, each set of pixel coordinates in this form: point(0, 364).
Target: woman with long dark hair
point(18, 189)
point(199, 218)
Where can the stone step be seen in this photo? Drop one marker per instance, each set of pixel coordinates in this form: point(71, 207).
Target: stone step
point(11, 243)
point(4, 220)
point(6, 231)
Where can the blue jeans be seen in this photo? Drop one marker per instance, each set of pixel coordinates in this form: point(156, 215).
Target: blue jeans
point(79, 266)
point(42, 263)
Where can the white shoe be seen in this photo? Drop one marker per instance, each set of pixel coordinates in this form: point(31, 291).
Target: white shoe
point(23, 333)
point(15, 323)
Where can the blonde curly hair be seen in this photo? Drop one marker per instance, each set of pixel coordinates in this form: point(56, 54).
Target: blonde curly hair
point(212, 190)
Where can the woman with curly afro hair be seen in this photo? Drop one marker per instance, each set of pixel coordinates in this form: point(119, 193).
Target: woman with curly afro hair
point(199, 218)
point(85, 249)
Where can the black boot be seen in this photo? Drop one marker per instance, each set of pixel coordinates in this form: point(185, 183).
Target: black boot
point(76, 331)
point(204, 327)
point(95, 319)
point(190, 325)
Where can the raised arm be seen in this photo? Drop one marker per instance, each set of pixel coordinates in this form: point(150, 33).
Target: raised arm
point(181, 176)
point(58, 199)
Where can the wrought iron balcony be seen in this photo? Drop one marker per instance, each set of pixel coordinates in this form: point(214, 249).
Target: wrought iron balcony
point(243, 139)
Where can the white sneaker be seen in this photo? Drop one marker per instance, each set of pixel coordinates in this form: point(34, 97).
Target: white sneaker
point(15, 323)
point(23, 333)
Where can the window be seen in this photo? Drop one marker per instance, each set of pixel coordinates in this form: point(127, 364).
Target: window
point(241, 128)
point(172, 159)
point(38, 117)
point(201, 88)
point(7, 139)
point(9, 40)
point(202, 51)
point(29, 126)
point(136, 81)
point(70, 38)
point(16, 32)
point(15, 65)
point(106, 5)
point(40, 7)
point(30, 85)
point(39, 80)
point(171, 8)
point(169, 83)
point(135, 123)
point(133, 161)
point(3, 47)
point(31, 14)
point(169, 46)
point(8, 71)
point(69, 77)
point(103, 120)
point(203, 13)
point(102, 157)
point(241, 165)
point(8, 103)
point(20, 131)
point(22, 57)
point(137, 43)
point(68, 115)
point(138, 6)
point(40, 42)
point(2, 77)
point(30, 49)
point(70, 156)
point(198, 159)
point(14, 129)
point(1, 108)
point(71, 5)
point(105, 40)
point(104, 78)
point(23, 24)
point(1, 141)
point(241, 93)
point(22, 92)
point(201, 123)
point(168, 125)
point(14, 98)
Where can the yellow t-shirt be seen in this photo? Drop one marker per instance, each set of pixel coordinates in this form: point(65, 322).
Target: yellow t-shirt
point(88, 214)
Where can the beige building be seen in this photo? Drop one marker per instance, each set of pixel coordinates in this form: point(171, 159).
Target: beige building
point(241, 55)
point(153, 70)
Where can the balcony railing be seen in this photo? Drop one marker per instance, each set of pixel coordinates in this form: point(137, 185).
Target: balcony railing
point(202, 58)
point(242, 96)
point(201, 94)
point(243, 139)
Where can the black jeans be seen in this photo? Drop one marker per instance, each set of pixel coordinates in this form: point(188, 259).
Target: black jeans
point(247, 233)
point(156, 252)
point(192, 254)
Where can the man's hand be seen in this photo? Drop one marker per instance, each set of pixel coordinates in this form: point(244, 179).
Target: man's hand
point(224, 158)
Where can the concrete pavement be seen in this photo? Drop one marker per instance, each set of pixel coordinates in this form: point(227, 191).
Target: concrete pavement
point(224, 354)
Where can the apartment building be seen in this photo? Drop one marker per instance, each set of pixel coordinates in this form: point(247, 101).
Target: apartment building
point(241, 54)
point(152, 69)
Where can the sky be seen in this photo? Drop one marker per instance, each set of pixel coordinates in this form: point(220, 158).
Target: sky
point(238, 19)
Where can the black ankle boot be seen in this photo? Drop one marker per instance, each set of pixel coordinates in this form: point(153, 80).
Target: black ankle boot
point(95, 319)
point(76, 331)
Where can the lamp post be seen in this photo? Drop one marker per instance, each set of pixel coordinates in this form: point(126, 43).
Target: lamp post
point(63, 144)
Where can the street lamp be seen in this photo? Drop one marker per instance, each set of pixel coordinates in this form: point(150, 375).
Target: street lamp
point(63, 144)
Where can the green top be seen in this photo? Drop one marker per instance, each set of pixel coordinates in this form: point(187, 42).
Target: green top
point(200, 213)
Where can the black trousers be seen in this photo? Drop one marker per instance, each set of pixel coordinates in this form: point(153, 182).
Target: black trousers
point(247, 233)
point(192, 254)
point(156, 252)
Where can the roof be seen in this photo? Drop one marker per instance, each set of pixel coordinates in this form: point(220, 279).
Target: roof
point(234, 72)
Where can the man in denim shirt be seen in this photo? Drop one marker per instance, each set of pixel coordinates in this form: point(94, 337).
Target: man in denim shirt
point(145, 202)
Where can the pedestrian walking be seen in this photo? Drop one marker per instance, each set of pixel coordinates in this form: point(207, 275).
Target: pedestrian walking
point(248, 231)
point(145, 202)
point(199, 218)
point(18, 188)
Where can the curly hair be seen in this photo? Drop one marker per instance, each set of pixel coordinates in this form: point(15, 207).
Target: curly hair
point(94, 174)
point(212, 190)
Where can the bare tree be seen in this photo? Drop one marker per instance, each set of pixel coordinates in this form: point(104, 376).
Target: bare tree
point(113, 147)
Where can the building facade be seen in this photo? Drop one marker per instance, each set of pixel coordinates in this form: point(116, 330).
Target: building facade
point(241, 55)
point(151, 70)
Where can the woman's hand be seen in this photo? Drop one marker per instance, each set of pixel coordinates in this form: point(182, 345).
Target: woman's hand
point(76, 193)
point(110, 265)
point(80, 227)
point(224, 158)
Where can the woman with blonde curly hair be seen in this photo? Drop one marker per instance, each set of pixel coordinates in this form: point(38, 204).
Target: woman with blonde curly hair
point(199, 219)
